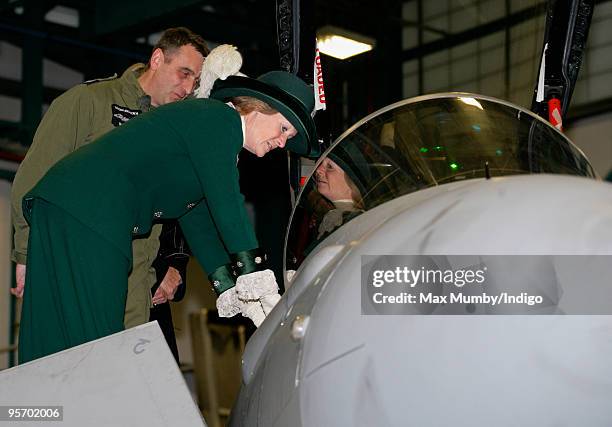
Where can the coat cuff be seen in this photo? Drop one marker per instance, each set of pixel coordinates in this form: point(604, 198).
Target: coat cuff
point(222, 279)
point(246, 262)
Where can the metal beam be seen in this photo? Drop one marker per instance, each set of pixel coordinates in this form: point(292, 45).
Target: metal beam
point(117, 15)
point(251, 27)
point(8, 176)
point(57, 34)
point(416, 24)
point(477, 32)
point(421, 76)
point(14, 89)
point(31, 74)
point(586, 110)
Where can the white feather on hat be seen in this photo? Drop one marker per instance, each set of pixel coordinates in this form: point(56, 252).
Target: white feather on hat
point(222, 62)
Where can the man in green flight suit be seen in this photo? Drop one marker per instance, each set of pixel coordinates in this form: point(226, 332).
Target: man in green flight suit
point(86, 112)
point(86, 209)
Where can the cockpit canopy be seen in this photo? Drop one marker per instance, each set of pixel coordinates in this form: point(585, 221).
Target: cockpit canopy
point(420, 143)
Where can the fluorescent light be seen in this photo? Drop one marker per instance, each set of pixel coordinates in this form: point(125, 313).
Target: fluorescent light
point(62, 15)
point(342, 47)
point(153, 38)
point(342, 44)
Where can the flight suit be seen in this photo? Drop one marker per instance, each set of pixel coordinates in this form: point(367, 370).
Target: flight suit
point(76, 118)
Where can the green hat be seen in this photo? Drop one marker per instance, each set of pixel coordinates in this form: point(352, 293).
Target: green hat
point(348, 155)
point(286, 93)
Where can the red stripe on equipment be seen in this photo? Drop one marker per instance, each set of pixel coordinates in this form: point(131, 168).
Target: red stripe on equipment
point(554, 113)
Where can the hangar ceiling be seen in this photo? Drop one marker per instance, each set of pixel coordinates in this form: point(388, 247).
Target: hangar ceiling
point(98, 38)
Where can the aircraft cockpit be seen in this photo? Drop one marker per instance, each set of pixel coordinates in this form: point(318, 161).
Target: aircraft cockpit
point(420, 143)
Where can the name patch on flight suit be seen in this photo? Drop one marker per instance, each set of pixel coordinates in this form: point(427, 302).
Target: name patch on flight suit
point(122, 114)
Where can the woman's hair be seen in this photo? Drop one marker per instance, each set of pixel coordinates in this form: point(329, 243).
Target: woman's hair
point(245, 104)
point(355, 193)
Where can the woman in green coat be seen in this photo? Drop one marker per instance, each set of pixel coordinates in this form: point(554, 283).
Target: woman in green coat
point(180, 162)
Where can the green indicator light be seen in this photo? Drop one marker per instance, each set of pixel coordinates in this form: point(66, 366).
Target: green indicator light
point(454, 166)
point(424, 150)
point(499, 152)
point(438, 147)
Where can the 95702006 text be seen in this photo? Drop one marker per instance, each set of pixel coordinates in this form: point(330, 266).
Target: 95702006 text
point(31, 413)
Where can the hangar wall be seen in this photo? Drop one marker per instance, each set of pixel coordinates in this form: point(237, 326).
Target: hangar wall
point(594, 137)
point(7, 170)
point(5, 267)
point(55, 76)
point(485, 66)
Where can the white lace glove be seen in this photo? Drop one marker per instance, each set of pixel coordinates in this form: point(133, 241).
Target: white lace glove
point(253, 286)
point(268, 302)
point(259, 286)
point(254, 311)
point(228, 304)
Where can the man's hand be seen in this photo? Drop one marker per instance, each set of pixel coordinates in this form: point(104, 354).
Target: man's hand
point(168, 286)
point(20, 272)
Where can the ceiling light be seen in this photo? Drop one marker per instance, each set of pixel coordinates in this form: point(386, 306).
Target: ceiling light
point(62, 15)
point(342, 44)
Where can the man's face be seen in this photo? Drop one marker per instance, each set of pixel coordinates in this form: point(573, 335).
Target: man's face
point(175, 74)
point(265, 132)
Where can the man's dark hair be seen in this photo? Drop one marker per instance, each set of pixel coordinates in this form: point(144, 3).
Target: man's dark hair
point(174, 38)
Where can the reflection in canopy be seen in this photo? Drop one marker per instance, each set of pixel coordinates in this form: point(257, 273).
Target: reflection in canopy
point(423, 142)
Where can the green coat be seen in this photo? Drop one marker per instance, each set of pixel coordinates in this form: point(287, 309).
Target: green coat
point(111, 187)
point(74, 119)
